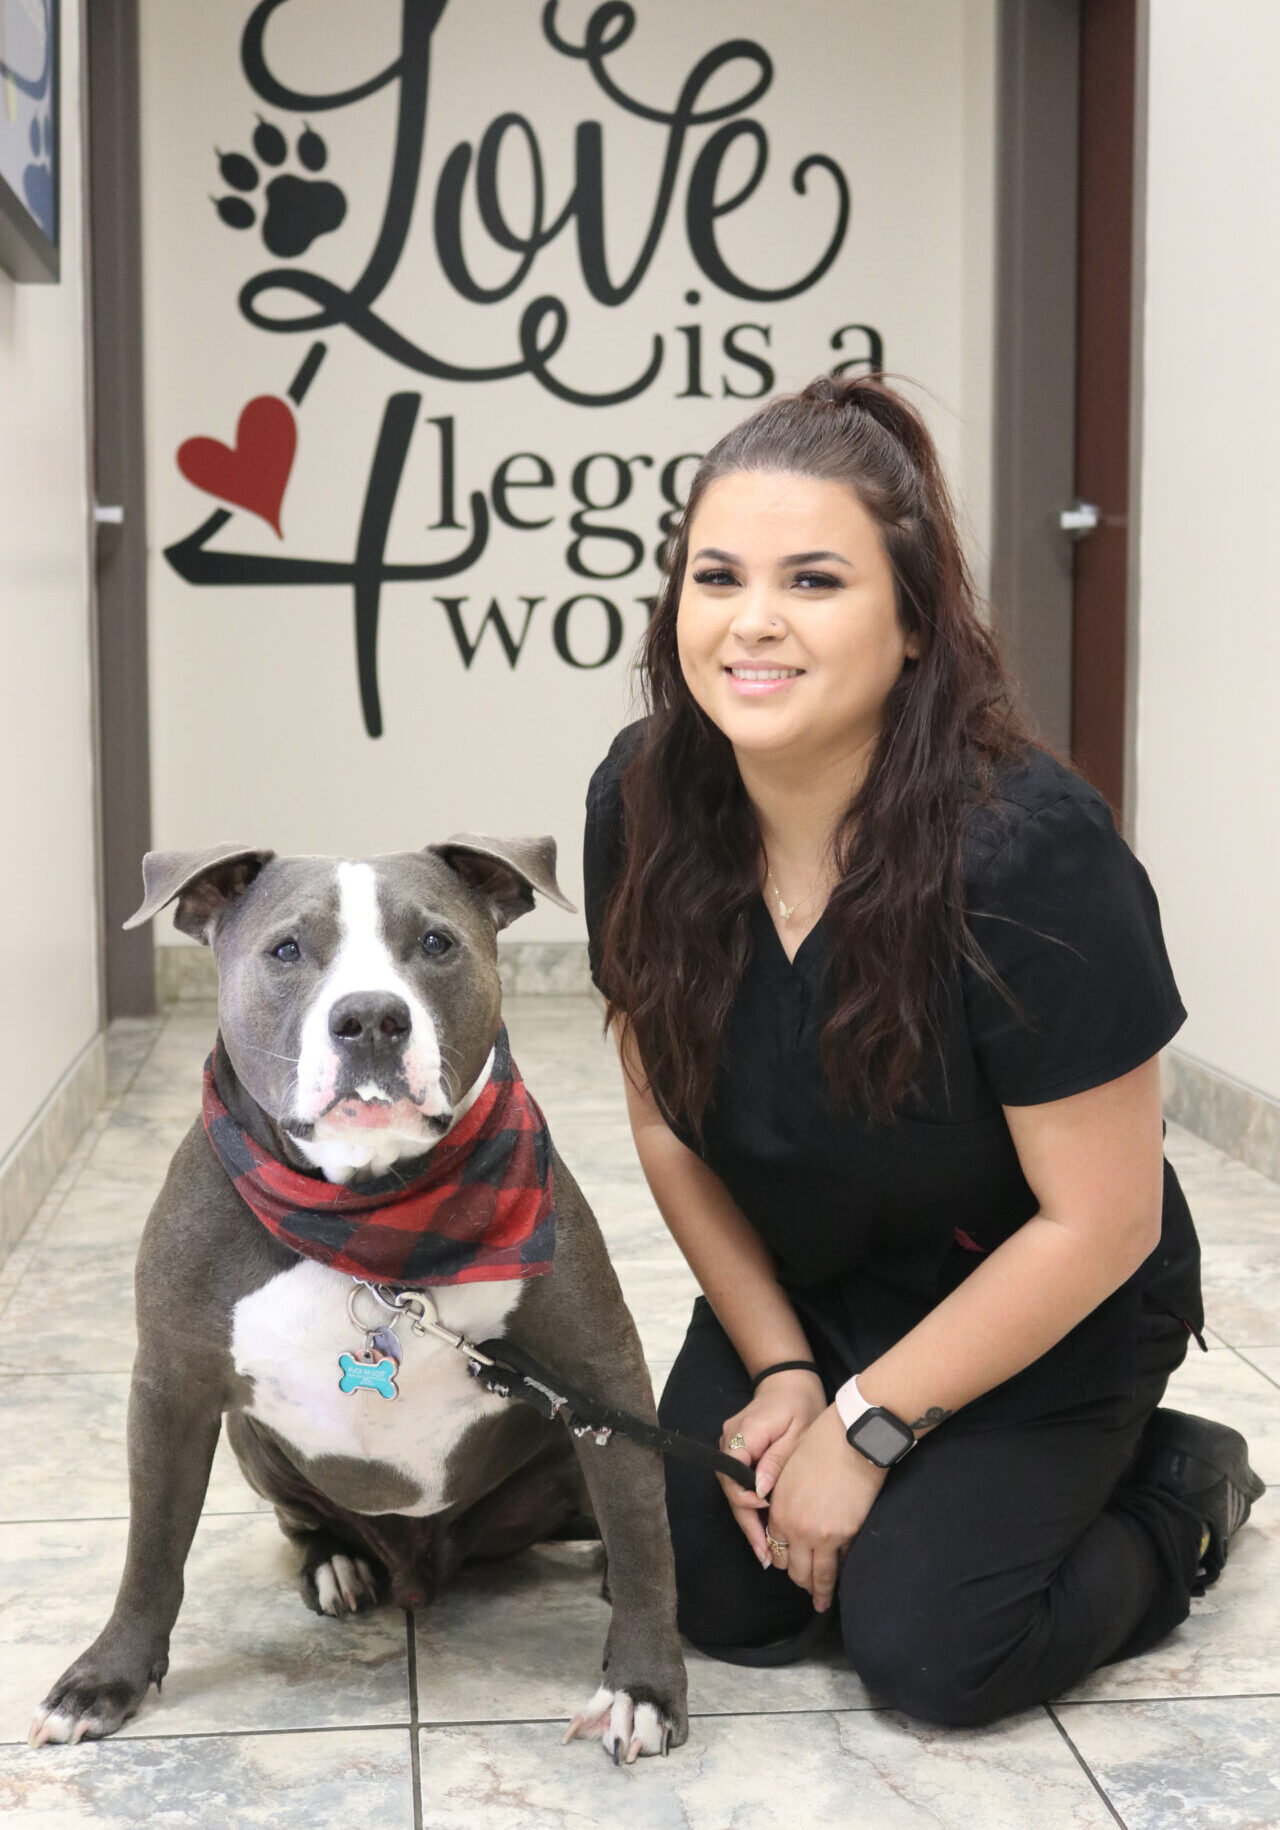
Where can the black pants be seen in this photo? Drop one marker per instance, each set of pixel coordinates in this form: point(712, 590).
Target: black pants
point(998, 1566)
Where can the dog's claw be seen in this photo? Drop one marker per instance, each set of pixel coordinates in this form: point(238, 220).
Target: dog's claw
point(628, 1729)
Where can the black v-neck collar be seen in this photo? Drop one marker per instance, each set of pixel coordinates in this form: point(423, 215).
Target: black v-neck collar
point(811, 948)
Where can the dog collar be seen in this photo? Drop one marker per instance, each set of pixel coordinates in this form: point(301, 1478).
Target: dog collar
point(482, 1211)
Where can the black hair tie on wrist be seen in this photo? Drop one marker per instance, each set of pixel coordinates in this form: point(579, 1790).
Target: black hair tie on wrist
point(785, 1366)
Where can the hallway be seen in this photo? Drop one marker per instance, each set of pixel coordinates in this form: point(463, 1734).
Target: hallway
point(272, 1715)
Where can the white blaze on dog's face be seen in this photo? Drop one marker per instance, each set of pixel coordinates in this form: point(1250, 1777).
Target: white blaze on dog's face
point(372, 1082)
point(364, 980)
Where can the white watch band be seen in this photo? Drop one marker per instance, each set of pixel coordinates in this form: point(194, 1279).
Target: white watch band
point(850, 1403)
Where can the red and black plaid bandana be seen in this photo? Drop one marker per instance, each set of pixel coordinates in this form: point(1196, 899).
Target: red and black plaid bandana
point(483, 1211)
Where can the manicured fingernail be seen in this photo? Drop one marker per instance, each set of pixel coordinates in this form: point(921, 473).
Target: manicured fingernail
point(766, 1561)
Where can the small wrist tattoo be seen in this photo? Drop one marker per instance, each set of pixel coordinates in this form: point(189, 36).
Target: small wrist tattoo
point(932, 1417)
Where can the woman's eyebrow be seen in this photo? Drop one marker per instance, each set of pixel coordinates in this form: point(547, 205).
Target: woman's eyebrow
point(791, 559)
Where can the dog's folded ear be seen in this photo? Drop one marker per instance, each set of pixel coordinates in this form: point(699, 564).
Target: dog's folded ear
point(506, 872)
point(206, 884)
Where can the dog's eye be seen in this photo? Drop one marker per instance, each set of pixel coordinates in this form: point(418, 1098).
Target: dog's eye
point(288, 951)
point(435, 944)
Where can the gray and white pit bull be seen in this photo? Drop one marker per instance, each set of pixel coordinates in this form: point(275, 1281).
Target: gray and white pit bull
point(358, 1006)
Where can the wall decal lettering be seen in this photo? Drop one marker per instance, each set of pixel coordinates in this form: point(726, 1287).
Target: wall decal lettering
point(283, 190)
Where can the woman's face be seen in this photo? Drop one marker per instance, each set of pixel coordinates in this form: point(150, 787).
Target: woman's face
point(787, 628)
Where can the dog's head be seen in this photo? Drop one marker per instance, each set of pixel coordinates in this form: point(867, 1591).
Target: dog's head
point(358, 1002)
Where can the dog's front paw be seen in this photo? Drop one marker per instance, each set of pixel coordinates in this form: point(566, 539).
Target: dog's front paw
point(86, 1703)
point(629, 1722)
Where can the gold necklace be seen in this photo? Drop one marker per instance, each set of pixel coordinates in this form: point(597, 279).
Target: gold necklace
point(785, 910)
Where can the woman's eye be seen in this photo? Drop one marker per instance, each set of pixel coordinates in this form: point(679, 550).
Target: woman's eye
point(717, 576)
point(435, 944)
point(288, 950)
point(817, 581)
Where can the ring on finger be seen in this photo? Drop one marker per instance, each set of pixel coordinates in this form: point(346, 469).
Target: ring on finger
point(738, 1441)
point(778, 1547)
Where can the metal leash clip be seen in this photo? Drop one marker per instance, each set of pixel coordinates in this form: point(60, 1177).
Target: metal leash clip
point(424, 1317)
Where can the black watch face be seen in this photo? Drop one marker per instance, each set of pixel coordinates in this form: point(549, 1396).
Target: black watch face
point(881, 1438)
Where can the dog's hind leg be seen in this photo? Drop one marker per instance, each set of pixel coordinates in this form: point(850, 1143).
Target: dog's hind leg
point(544, 1499)
point(340, 1572)
point(336, 1578)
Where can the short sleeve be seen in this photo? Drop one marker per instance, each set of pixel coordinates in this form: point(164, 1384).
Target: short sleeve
point(1067, 918)
point(604, 839)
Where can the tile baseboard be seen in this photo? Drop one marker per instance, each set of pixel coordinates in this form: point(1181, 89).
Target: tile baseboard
point(185, 975)
point(1225, 1112)
point(545, 968)
point(529, 968)
point(31, 1167)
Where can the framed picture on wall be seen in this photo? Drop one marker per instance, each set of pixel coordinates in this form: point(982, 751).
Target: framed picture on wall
point(29, 139)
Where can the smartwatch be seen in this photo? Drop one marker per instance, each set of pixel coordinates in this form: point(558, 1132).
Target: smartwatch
point(874, 1432)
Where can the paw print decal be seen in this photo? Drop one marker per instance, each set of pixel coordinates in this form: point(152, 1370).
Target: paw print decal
point(298, 210)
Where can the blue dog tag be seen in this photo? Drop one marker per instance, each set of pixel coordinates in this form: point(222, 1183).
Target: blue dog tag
point(367, 1375)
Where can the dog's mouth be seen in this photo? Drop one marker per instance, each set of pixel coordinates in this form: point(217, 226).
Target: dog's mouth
point(371, 1108)
point(358, 1113)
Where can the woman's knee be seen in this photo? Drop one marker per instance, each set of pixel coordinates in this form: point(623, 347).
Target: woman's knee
point(924, 1684)
point(922, 1658)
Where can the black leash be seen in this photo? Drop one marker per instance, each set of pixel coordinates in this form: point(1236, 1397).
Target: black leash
point(512, 1373)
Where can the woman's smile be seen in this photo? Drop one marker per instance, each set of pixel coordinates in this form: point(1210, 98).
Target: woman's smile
point(754, 682)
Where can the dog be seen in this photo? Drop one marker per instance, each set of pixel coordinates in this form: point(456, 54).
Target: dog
point(359, 1046)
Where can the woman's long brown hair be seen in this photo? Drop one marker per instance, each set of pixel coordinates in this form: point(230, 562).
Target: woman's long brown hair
point(676, 935)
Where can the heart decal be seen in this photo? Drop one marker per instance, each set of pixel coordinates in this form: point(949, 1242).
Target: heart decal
point(255, 472)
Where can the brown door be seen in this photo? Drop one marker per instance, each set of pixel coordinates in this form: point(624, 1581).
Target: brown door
point(1108, 49)
point(1035, 370)
point(1064, 333)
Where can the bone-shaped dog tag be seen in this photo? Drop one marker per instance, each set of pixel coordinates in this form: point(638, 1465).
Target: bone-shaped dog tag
point(359, 1374)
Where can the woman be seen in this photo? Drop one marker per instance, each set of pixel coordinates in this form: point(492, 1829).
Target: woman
point(889, 990)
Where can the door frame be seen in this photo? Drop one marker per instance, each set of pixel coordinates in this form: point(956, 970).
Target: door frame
point(118, 467)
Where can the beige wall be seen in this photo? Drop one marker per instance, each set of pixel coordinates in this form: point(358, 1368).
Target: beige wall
point(48, 918)
point(256, 732)
point(1208, 737)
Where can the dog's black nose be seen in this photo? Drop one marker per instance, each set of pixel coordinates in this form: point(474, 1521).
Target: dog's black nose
point(376, 1017)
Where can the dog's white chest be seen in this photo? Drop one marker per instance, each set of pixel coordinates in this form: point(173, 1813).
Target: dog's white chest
point(288, 1337)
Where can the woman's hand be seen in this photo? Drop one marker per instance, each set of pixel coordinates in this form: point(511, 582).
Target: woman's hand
point(772, 1426)
point(819, 1504)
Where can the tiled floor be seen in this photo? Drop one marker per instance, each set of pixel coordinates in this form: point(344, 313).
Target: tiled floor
point(453, 1720)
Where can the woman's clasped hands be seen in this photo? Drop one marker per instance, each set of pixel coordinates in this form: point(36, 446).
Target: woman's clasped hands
point(815, 1490)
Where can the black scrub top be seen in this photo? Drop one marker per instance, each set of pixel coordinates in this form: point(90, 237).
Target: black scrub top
point(871, 1224)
